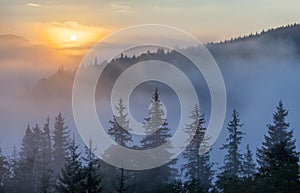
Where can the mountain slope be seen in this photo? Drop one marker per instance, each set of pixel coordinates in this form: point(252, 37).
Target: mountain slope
point(282, 43)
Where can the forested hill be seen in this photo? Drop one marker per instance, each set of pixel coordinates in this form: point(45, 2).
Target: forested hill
point(289, 33)
point(282, 42)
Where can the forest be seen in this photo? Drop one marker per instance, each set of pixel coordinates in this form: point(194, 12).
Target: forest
point(51, 160)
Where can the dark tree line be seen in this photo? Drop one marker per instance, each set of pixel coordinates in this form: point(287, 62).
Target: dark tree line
point(49, 159)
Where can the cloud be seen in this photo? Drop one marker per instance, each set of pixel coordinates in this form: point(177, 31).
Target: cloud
point(60, 32)
point(33, 4)
point(121, 8)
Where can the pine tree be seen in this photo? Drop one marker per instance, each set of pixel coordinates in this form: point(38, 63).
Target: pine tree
point(122, 186)
point(156, 115)
point(278, 158)
point(277, 133)
point(46, 180)
point(61, 140)
point(120, 126)
point(13, 171)
point(37, 157)
point(282, 171)
point(72, 177)
point(176, 186)
point(194, 186)
point(25, 169)
point(233, 158)
point(157, 179)
point(248, 166)
point(198, 167)
point(120, 132)
point(4, 172)
point(92, 171)
point(229, 179)
point(46, 142)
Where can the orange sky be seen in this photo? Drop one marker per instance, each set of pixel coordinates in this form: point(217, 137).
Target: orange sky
point(51, 24)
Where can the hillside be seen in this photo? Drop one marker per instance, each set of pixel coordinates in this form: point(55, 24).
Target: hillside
point(282, 42)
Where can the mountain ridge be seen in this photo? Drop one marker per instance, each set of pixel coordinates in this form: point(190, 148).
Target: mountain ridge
point(236, 48)
point(271, 31)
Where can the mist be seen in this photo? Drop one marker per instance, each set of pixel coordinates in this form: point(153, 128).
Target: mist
point(257, 74)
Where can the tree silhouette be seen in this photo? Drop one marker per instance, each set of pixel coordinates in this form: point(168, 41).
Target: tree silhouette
point(228, 179)
point(61, 143)
point(120, 132)
point(278, 158)
point(92, 171)
point(277, 133)
point(156, 180)
point(72, 175)
point(119, 126)
point(232, 160)
point(248, 167)
point(198, 167)
point(47, 181)
point(4, 172)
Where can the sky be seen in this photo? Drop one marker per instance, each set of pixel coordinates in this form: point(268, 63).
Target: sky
point(210, 20)
point(67, 29)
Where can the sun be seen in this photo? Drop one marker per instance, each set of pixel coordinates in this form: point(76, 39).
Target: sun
point(73, 38)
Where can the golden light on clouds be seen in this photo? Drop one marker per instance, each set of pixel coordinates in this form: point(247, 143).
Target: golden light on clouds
point(33, 4)
point(73, 34)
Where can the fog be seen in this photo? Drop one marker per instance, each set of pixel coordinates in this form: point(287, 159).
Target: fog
point(257, 75)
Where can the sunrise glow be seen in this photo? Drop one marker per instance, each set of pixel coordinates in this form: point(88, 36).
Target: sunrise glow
point(72, 34)
point(73, 38)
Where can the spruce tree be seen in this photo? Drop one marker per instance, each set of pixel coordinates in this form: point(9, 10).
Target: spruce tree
point(278, 158)
point(120, 132)
point(120, 126)
point(25, 169)
point(248, 166)
point(229, 179)
point(47, 142)
point(13, 171)
point(72, 176)
point(233, 158)
point(38, 156)
point(46, 180)
point(277, 132)
point(92, 171)
point(176, 186)
point(282, 172)
point(122, 186)
point(198, 167)
point(156, 179)
point(194, 186)
point(61, 143)
point(4, 173)
point(156, 116)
